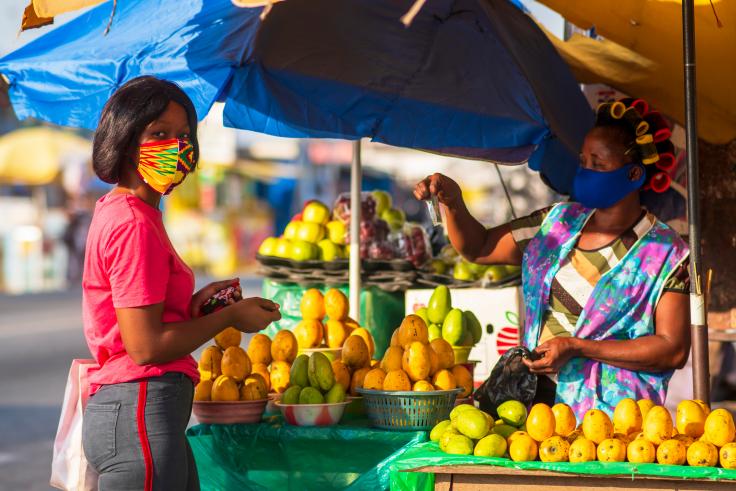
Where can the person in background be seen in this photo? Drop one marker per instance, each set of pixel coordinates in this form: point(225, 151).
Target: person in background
point(141, 315)
point(605, 282)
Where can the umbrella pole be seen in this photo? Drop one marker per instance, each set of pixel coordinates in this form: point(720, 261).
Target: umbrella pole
point(356, 178)
point(698, 319)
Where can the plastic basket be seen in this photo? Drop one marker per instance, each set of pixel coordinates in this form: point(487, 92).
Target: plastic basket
point(409, 411)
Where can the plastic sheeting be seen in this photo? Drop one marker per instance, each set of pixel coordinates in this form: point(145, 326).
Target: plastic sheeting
point(429, 454)
point(274, 455)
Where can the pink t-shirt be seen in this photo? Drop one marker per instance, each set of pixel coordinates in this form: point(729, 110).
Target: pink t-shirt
point(130, 262)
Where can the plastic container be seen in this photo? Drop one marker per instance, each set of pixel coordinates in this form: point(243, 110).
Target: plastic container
point(226, 412)
point(313, 414)
point(408, 411)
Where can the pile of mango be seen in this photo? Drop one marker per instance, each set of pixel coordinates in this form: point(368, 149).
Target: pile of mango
point(640, 432)
point(457, 327)
point(312, 380)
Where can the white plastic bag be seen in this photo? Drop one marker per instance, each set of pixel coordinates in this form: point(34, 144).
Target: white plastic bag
point(69, 468)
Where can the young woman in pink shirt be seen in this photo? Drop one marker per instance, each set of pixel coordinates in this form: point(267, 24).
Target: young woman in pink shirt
point(141, 315)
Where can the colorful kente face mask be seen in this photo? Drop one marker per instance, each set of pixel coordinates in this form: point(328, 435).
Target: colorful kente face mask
point(163, 165)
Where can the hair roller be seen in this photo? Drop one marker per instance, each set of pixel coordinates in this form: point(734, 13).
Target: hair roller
point(662, 134)
point(640, 105)
point(666, 161)
point(633, 119)
point(647, 149)
point(617, 110)
point(660, 182)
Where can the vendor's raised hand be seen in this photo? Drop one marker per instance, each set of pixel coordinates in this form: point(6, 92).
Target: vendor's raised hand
point(447, 191)
point(201, 297)
point(254, 314)
point(552, 355)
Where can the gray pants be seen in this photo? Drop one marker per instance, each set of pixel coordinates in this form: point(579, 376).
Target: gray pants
point(134, 435)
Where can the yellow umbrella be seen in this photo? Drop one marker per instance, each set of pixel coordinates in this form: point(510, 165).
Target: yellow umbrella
point(642, 55)
point(34, 156)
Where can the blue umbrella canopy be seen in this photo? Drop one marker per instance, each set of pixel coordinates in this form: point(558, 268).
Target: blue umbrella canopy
point(468, 78)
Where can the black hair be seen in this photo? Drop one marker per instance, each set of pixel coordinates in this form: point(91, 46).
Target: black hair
point(126, 115)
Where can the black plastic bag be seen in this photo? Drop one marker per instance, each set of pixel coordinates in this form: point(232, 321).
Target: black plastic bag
point(510, 380)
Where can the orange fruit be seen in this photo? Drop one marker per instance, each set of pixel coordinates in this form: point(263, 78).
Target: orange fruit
point(422, 386)
point(397, 380)
point(254, 388)
point(445, 353)
point(228, 337)
point(355, 352)
point(444, 380)
point(395, 338)
point(357, 381)
point(225, 388)
point(210, 362)
point(280, 375)
point(392, 358)
point(235, 363)
point(463, 379)
point(203, 390)
point(335, 333)
point(309, 333)
point(284, 346)
point(312, 305)
point(336, 305)
point(367, 337)
point(342, 374)
point(374, 379)
point(413, 328)
point(262, 370)
point(259, 349)
point(416, 361)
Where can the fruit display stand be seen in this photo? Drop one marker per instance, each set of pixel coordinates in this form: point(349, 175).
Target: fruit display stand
point(426, 467)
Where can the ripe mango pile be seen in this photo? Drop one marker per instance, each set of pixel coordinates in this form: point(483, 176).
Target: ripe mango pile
point(641, 432)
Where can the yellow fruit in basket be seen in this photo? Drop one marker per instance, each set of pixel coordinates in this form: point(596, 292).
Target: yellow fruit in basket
point(658, 425)
point(686, 440)
point(582, 450)
point(280, 376)
point(357, 381)
point(445, 353)
point(254, 388)
point(463, 379)
point(235, 363)
point(597, 426)
point(284, 346)
point(444, 380)
point(228, 337)
point(396, 380)
point(355, 352)
point(627, 417)
point(672, 452)
point(367, 337)
point(434, 363)
point(203, 390)
point(374, 379)
point(309, 333)
point(719, 427)
point(412, 328)
point(422, 386)
point(624, 438)
point(523, 449)
point(312, 305)
point(564, 419)
point(554, 449)
point(262, 370)
point(572, 436)
point(392, 358)
point(641, 451)
point(395, 338)
point(702, 454)
point(415, 361)
point(727, 456)
point(225, 389)
point(703, 405)
point(259, 349)
point(210, 363)
point(335, 333)
point(690, 419)
point(611, 450)
point(644, 406)
point(342, 374)
point(336, 305)
point(540, 424)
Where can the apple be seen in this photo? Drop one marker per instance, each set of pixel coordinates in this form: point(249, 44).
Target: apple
point(316, 212)
point(268, 247)
point(310, 232)
point(303, 251)
point(283, 248)
point(336, 231)
point(328, 250)
point(291, 230)
point(394, 217)
point(383, 201)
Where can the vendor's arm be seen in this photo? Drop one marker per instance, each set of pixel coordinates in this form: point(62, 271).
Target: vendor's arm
point(467, 235)
point(666, 349)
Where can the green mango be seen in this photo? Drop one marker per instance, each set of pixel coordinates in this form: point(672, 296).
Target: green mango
point(440, 304)
point(439, 430)
point(291, 395)
point(335, 394)
point(320, 372)
point(472, 324)
point(467, 338)
point(496, 272)
point(453, 329)
point(462, 272)
point(423, 314)
point(473, 424)
point(435, 332)
point(310, 395)
point(298, 373)
point(446, 436)
point(459, 445)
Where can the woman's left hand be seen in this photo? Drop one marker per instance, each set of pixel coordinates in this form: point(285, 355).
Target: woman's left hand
point(199, 298)
point(554, 354)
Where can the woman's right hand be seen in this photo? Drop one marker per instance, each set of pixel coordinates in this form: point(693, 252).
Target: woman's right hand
point(447, 191)
point(254, 314)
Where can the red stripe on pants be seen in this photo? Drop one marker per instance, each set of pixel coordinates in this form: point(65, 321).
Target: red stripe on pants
point(143, 434)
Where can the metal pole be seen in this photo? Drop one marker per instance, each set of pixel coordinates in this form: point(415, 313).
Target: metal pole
point(698, 319)
point(506, 191)
point(356, 178)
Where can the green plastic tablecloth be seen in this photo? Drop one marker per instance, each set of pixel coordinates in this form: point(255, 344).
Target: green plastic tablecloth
point(274, 455)
point(380, 311)
point(429, 454)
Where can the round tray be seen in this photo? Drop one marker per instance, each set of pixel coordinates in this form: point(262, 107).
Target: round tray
point(313, 414)
point(408, 410)
point(226, 412)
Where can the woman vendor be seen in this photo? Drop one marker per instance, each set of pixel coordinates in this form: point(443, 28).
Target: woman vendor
point(605, 282)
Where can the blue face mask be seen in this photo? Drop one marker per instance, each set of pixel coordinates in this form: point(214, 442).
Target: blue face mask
point(596, 189)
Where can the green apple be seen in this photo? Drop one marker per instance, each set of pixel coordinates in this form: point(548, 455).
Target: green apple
point(316, 212)
point(268, 247)
point(383, 201)
point(292, 229)
point(328, 250)
point(310, 232)
point(303, 251)
point(395, 218)
point(462, 272)
point(336, 232)
point(283, 248)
